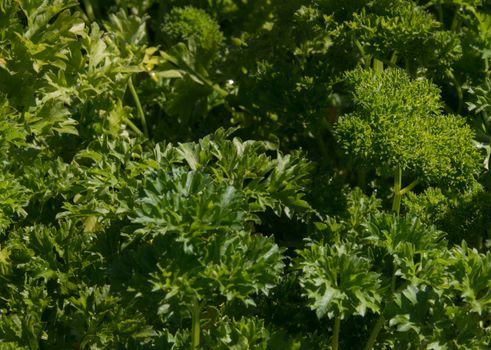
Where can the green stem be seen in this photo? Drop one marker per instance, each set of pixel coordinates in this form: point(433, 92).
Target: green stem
point(486, 66)
point(455, 21)
point(378, 66)
point(399, 191)
point(396, 204)
point(218, 89)
point(362, 51)
point(440, 13)
point(409, 187)
point(393, 58)
point(486, 122)
point(89, 10)
point(406, 63)
point(374, 334)
point(138, 106)
point(458, 88)
point(195, 330)
point(335, 337)
point(132, 126)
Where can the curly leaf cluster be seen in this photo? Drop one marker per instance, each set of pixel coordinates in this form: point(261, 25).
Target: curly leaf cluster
point(402, 29)
point(397, 122)
point(190, 23)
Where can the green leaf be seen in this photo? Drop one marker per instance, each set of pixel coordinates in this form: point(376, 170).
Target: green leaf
point(338, 281)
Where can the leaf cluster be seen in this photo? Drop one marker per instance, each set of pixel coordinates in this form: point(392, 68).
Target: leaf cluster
point(401, 271)
point(397, 122)
point(182, 174)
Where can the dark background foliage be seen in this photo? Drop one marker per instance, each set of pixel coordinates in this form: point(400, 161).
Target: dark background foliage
point(234, 174)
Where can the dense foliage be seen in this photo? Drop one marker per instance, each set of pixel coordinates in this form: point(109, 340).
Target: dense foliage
point(236, 174)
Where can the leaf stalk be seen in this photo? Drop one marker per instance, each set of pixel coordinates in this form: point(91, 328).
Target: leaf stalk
point(335, 337)
point(399, 191)
point(138, 107)
point(410, 187)
point(195, 330)
point(132, 126)
point(458, 89)
point(396, 204)
point(89, 10)
point(374, 334)
point(362, 51)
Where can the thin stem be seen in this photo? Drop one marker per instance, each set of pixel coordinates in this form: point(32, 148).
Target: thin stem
point(195, 331)
point(455, 21)
point(458, 88)
point(89, 10)
point(486, 123)
point(393, 58)
point(335, 337)
point(486, 66)
point(132, 126)
point(374, 334)
point(406, 63)
point(362, 51)
point(138, 106)
point(396, 204)
point(440, 13)
point(409, 187)
point(378, 65)
point(218, 89)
